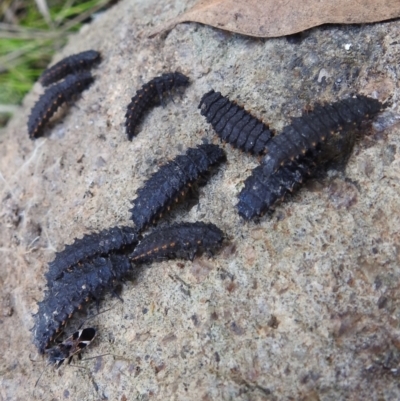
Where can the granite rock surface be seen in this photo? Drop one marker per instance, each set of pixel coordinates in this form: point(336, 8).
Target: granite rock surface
point(304, 305)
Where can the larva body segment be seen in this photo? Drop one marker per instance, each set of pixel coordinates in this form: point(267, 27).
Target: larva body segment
point(233, 124)
point(70, 65)
point(77, 287)
point(261, 193)
point(89, 246)
point(182, 240)
point(314, 128)
point(170, 182)
point(151, 94)
point(55, 96)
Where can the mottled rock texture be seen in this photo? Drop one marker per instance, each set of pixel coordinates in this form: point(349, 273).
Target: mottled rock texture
point(304, 305)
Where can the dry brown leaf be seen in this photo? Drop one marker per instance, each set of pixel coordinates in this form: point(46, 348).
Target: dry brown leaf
point(271, 18)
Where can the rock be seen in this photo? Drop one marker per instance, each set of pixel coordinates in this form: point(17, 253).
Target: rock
point(294, 309)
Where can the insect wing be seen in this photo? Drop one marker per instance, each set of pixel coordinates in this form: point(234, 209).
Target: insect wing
point(83, 338)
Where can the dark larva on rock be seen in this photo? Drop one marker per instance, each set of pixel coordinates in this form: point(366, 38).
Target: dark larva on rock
point(96, 276)
point(53, 98)
point(182, 240)
point(70, 65)
point(233, 124)
point(313, 128)
point(77, 287)
point(267, 186)
point(90, 245)
point(151, 94)
point(170, 182)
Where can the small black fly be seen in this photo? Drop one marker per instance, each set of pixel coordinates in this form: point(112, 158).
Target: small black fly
point(71, 346)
